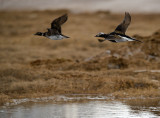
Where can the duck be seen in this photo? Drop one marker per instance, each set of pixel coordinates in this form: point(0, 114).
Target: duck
point(55, 33)
point(119, 34)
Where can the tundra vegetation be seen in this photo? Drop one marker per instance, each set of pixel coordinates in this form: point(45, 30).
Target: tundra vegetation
point(32, 66)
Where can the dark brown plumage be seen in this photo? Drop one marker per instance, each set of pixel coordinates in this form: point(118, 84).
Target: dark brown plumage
point(55, 32)
point(121, 28)
point(119, 33)
point(56, 25)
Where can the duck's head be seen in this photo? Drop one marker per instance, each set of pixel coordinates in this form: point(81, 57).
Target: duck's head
point(101, 34)
point(39, 34)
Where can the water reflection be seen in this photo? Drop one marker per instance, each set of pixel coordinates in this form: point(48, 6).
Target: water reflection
point(92, 109)
point(151, 105)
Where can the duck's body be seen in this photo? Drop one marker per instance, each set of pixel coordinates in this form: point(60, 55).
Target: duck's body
point(119, 34)
point(52, 37)
point(116, 37)
point(54, 33)
point(56, 37)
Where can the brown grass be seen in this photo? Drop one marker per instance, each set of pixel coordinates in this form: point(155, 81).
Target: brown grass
point(33, 66)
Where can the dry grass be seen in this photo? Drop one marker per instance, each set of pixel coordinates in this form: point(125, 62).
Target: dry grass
point(34, 66)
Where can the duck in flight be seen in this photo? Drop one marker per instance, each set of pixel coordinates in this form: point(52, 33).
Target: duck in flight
point(119, 34)
point(54, 32)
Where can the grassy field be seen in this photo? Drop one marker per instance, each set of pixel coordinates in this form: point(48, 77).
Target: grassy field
point(32, 66)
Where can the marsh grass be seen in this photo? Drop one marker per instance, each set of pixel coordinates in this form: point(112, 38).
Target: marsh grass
point(34, 66)
point(50, 83)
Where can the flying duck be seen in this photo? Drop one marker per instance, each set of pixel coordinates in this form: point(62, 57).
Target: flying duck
point(54, 32)
point(119, 34)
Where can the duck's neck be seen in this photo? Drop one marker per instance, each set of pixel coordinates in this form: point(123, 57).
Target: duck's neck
point(43, 34)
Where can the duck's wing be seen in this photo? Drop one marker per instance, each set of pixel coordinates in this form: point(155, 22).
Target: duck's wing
point(56, 23)
point(121, 28)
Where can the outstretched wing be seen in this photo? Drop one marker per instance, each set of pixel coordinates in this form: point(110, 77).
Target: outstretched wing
point(56, 24)
point(121, 28)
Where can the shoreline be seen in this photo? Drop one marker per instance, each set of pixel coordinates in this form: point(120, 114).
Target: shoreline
point(69, 98)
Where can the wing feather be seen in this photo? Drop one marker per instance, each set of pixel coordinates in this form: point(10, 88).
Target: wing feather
point(56, 23)
point(121, 28)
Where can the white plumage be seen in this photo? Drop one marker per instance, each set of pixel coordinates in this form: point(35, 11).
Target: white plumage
point(56, 37)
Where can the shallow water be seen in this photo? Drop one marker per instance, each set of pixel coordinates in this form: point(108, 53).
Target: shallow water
point(90, 109)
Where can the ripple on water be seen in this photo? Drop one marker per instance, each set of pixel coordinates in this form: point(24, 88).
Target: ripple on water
point(92, 109)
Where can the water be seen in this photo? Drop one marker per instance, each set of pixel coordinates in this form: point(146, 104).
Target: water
point(90, 109)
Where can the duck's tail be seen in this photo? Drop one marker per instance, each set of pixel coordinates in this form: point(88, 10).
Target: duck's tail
point(65, 36)
point(138, 40)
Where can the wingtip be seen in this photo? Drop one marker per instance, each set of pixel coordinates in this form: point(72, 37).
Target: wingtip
point(127, 14)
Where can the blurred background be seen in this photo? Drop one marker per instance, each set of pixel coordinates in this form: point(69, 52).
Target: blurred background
point(136, 6)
